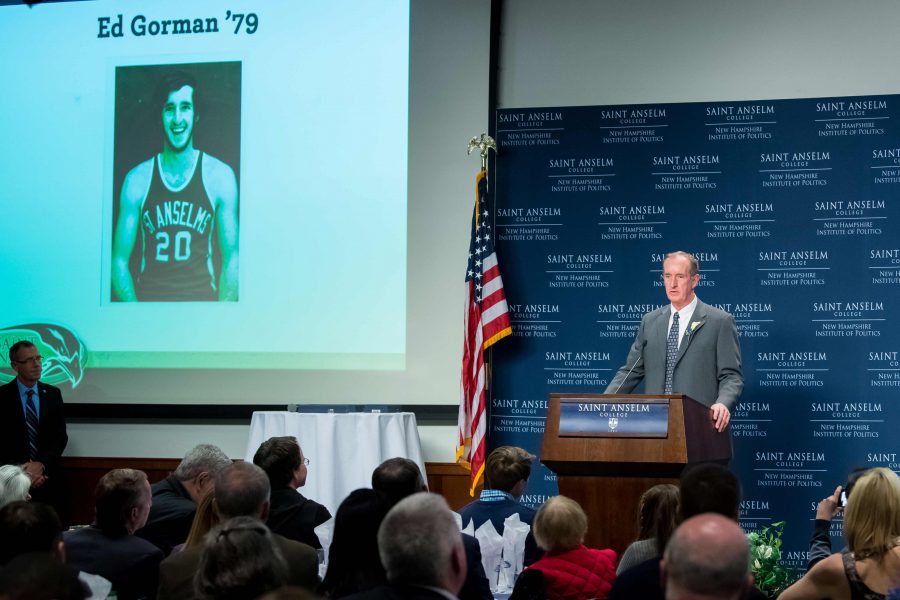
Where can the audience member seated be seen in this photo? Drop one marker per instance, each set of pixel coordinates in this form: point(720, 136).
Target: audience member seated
point(241, 490)
point(704, 488)
point(289, 592)
point(421, 550)
point(175, 497)
point(870, 566)
point(707, 557)
point(40, 576)
point(353, 562)
point(240, 560)
point(109, 547)
point(34, 527)
point(570, 570)
point(205, 518)
point(826, 510)
point(397, 478)
point(14, 484)
point(291, 514)
point(657, 519)
point(506, 473)
point(29, 527)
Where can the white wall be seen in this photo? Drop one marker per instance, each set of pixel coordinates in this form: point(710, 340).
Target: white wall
point(589, 52)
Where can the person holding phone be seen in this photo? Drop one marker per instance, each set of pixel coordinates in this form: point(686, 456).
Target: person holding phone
point(827, 509)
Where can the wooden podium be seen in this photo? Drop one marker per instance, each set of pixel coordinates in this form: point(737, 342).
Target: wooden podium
point(606, 467)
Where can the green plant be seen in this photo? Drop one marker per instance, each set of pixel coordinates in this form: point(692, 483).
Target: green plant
point(769, 575)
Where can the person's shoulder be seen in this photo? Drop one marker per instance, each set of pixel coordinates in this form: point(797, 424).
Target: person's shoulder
point(46, 388)
point(75, 537)
point(139, 545)
point(829, 571)
point(379, 593)
point(656, 313)
point(294, 550)
point(640, 571)
point(215, 169)
point(711, 312)
point(137, 180)
point(525, 511)
point(179, 560)
point(640, 581)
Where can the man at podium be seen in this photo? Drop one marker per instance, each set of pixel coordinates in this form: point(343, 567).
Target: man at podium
point(686, 347)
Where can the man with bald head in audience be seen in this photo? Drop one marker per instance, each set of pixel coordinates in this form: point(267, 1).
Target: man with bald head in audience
point(708, 558)
point(421, 550)
point(241, 490)
point(704, 488)
point(398, 478)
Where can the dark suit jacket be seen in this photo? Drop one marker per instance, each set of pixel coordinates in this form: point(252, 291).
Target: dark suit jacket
point(708, 364)
point(52, 437)
point(642, 582)
point(294, 516)
point(176, 573)
point(480, 511)
point(476, 586)
point(171, 515)
point(398, 592)
point(129, 562)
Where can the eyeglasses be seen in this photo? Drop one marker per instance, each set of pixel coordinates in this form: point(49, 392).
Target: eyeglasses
point(305, 461)
point(30, 360)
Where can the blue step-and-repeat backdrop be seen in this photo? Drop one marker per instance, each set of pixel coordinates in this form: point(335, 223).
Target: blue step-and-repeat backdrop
point(791, 206)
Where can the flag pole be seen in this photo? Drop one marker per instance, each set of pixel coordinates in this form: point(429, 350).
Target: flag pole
point(486, 322)
point(484, 143)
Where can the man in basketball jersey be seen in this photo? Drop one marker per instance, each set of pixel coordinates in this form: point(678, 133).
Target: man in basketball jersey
point(180, 201)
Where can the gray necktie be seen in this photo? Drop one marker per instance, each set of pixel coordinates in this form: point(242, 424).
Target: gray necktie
point(671, 352)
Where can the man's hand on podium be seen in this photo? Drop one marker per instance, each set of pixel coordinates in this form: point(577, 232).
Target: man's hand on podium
point(720, 416)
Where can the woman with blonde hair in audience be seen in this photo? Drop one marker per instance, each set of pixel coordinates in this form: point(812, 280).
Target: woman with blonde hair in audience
point(205, 518)
point(870, 565)
point(14, 484)
point(657, 519)
point(569, 570)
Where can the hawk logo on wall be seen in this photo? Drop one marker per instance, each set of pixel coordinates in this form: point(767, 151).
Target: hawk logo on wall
point(63, 352)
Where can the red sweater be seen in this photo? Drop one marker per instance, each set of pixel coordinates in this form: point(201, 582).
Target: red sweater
point(577, 574)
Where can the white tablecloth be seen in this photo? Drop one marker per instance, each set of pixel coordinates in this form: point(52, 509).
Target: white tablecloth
point(343, 448)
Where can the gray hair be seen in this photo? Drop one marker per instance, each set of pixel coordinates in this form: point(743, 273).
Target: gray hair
point(241, 489)
point(14, 484)
point(417, 538)
point(695, 264)
point(204, 457)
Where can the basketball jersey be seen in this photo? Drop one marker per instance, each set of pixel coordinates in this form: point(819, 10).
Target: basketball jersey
point(176, 237)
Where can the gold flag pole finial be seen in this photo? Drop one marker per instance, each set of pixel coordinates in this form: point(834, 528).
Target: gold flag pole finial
point(482, 143)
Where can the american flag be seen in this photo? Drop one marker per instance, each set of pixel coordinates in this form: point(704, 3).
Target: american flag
point(486, 322)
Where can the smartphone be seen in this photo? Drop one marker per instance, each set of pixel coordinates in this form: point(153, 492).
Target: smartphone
point(843, 501)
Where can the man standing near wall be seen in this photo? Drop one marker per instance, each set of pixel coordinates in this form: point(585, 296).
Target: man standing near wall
point(33, 427)
point(687, 347)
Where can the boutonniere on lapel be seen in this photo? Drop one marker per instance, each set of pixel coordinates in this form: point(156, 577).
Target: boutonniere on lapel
point(693, 328)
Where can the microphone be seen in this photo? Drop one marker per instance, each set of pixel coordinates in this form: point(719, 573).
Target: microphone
point(640, 356)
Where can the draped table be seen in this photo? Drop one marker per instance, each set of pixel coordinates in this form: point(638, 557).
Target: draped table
point(343, 448)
